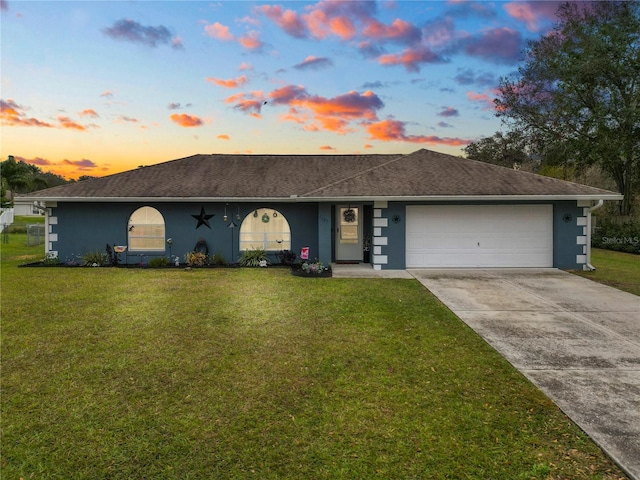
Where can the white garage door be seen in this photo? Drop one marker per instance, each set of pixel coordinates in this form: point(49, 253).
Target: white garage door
point(479, 236)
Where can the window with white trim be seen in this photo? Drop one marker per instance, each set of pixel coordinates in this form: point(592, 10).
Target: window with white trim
point(146, 230)
point(265, 228)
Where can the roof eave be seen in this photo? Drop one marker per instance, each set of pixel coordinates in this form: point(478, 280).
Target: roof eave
point(464, 198)
point(357, 198)
point(159, 199)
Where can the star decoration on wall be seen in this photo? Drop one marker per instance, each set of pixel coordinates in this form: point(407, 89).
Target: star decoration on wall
point(203, 219)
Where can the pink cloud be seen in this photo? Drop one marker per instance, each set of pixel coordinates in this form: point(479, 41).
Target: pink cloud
point(394, 131)
point(223, 137)
point(185, 120)
point(42, 162)
point(485, 98)
point(410, 58)
point(327, 147)
point(314, 63)
point(285, 95)
point(399, 30)
point(89, 112)
point(249, 103)
point(13, 114)
point(219, 32)
point(332, 114)
point(84, 164)
point(321, 25)
point(323, 19)
point(67, 123)
point(251, 41)
point(231, 83)
point(295, 116)
point(351, 105)
point(534, 14)
point(287, 20)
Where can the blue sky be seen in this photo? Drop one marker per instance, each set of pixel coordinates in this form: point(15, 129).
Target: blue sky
point(93, 87)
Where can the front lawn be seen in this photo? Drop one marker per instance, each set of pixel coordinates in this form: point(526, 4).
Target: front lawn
point(254, 373)
point(616, 269)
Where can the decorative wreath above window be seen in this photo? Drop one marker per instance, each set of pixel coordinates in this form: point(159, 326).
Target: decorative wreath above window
point(349, 215)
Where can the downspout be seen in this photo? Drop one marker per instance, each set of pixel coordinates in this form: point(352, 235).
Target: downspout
point(593, 208)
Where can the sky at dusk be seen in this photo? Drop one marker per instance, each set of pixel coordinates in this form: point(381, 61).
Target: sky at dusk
point(99, 87)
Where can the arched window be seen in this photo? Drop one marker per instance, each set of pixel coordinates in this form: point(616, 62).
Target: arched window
point(146, 230)
point(265, 228)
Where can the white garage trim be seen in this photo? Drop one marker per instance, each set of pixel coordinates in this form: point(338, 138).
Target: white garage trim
point(479, 236)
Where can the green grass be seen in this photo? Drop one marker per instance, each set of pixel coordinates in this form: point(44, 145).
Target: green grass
point(254, 373)
point(616, 269)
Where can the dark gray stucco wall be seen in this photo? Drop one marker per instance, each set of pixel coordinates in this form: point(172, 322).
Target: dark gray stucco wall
point(396, 236)
point(566, 231)
point(84, 227)
point(569, 223)
point(325, 234)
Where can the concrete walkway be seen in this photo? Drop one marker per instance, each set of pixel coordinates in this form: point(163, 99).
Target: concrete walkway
point(364, 270)
point(576, 340)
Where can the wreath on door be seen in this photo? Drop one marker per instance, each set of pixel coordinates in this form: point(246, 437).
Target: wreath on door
point(349, 215)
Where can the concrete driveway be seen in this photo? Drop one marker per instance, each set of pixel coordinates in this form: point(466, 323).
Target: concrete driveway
point(576, 340)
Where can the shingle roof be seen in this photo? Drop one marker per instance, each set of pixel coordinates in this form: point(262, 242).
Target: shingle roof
point(307, 177)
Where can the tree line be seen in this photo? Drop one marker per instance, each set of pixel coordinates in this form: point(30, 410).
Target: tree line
point(22, 177)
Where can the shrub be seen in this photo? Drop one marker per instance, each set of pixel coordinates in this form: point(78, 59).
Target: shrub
point(50, 259)
point(158, 262)
point(95, 258)
point(196, 259)
point(218, 259)
point(254, 258)
point(287, 257)
point(17, 228)
point(620, 236)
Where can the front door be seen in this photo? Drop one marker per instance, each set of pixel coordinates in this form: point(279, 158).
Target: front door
point(349, 233)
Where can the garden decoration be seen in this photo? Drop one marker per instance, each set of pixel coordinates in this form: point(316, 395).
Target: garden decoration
point(349, 215)
point(201, 246)
point(226, 217)
point(203, 218)
point(113, 255)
